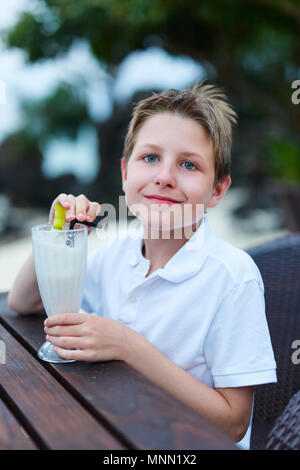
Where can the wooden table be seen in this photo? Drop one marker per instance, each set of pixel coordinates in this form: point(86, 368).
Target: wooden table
point(84, 405)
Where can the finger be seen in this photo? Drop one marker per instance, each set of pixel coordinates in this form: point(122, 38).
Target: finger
point(67, 330)
point(67, 341)
point(82, 204)
point(77, 354)
point(61, 199)
point(71, 209)
point(65, 319)
point(93, 210)
point(73, 354)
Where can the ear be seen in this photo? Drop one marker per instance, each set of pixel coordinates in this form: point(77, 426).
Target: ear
point(219, 191)
point(124, 173)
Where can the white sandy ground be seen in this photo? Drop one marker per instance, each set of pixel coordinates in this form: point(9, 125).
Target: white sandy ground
point(252, 232)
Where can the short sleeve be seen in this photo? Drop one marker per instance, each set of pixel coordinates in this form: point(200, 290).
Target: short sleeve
point(91, 301)
point(237, 346)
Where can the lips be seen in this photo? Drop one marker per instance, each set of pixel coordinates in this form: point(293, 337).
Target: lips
point(162, 199)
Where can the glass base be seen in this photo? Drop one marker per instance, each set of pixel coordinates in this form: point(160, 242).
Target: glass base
point(47, 353)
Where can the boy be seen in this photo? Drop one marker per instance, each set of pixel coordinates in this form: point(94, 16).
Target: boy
point(186, 310)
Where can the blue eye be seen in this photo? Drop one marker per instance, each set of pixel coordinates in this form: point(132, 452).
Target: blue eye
point(150, 158)
point(189, 166)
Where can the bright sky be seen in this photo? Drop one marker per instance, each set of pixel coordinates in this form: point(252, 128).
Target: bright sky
point(153, 68)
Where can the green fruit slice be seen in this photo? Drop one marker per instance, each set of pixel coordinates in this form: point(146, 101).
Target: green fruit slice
point(59, 216)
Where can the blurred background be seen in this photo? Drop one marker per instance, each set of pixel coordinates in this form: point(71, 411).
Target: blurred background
point(72, 70)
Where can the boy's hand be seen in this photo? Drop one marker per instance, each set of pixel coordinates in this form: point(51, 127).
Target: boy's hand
point(79, 208)
point(95, 338)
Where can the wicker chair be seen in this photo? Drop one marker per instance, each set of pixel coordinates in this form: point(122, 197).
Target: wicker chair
point(279, 264)
point(285, 434)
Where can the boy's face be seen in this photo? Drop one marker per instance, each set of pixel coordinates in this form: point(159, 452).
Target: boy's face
point(173, 160)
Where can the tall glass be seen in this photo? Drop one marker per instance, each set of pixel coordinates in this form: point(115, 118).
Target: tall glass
point(60, 258)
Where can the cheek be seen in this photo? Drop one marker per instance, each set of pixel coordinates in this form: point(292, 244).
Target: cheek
point(192, 188)
point(132, 186)
point(137, 178)
point(198, 190)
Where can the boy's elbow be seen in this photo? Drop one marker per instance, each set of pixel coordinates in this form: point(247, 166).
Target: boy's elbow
point(15, 306)
point(12, 304)
point(238, 431)
point(10, 301)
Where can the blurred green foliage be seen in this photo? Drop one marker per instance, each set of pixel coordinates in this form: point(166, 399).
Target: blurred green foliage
point(251, 48)
point(283, 158)
point(199, 28)
point(61, 113)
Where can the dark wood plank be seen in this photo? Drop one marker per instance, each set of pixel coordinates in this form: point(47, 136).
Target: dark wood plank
point(53, 417)
point(12, 434)
point(141, 412)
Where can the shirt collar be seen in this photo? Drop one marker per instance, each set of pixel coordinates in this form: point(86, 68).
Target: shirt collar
point(186, 262)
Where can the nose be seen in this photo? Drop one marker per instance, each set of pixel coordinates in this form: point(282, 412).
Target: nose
point(165, 176)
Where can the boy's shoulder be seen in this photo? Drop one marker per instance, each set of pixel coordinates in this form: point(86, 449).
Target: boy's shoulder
point(235, 261)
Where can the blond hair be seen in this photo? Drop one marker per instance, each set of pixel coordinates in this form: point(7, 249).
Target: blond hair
point(203, 103)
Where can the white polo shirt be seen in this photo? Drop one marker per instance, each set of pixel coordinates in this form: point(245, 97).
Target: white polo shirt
point(204, 309)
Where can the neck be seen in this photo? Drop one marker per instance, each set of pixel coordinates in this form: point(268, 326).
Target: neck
point(162, 246)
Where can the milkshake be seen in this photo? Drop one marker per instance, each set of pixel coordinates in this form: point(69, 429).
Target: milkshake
point(60, 269)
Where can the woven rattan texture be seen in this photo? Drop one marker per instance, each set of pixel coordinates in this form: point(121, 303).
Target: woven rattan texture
point(279, 264)
point(285, 435)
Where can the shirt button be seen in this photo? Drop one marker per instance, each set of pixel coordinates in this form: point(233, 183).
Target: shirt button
point(132, 299)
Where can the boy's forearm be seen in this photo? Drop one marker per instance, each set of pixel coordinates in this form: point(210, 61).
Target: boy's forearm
point(207, 402)
point(24, 296)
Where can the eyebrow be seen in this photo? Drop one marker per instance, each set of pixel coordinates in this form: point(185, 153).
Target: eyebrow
point(186, 153)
